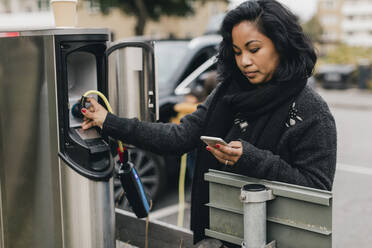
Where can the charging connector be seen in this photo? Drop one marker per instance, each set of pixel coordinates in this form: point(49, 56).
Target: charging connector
point(128, 175)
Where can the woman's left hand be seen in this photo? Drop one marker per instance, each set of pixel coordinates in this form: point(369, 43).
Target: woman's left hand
point(227, 155)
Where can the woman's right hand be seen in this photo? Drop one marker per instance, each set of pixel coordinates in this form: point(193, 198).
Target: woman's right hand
point(94, 115)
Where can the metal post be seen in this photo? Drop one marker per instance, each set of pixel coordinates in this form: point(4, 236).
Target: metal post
point(254, 197)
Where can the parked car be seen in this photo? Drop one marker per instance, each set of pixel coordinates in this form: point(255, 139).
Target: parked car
point(180, 66)
point(335, 76)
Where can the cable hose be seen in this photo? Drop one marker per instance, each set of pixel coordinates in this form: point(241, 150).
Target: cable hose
point(181, 191)
point(108, 106)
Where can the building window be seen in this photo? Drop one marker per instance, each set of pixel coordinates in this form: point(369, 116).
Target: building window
point(329, 4)
point(92, 6)
point(43, 5)
point(213, 9)
point(351, 1)
point(330, 36)
point(329, 20)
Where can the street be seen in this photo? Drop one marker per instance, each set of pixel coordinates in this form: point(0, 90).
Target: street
point(352, 209)
point(352, 205)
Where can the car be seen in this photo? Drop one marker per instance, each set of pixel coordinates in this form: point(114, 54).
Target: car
point(180, 67)
point(336, 76)
point(175, 83)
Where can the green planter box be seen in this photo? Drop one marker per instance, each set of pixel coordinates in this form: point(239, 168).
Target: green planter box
point(297, 217)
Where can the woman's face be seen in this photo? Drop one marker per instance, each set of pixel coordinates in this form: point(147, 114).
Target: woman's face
point(255, 53)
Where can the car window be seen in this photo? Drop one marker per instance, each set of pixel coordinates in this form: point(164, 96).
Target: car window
point(205, 74)
point(199, 59)
point(168, 56)
point(206, 79)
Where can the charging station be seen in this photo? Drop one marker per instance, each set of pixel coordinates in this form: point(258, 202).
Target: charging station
point(56, 180)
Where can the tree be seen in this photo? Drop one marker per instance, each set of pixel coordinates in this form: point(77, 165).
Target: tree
point(145, 10)
point(345, 54)
point(313, 29)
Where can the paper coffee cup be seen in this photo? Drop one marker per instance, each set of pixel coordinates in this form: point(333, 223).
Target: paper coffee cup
point(64, 12)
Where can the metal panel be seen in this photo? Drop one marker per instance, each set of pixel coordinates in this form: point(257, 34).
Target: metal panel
point(279, 189)
point(304, 214)
point(82, 76)
point(62, 31)
point(223, 236)
point(28, 172)
point(132, 88)
point(88, 211)
point(132, 230)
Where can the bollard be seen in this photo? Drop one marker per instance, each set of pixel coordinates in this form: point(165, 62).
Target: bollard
point(254, 197)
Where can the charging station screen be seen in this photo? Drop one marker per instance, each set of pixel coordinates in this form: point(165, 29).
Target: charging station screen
point(88, 134)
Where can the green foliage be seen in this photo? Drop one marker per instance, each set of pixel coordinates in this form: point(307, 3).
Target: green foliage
point(313, 29)
point(145, 10)
point(154, 8)
point(344, 54)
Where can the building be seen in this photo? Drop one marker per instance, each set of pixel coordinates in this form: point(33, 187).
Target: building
point(25, 14)
point(330, 16)
point(357, 22)
point(16, 14)
point(346, 21)
point(23, 6)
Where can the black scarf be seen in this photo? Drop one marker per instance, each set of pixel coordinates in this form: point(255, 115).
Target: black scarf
point(266, 106)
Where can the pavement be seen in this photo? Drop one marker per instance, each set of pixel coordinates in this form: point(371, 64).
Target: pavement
point(352, 208)
point(352, 197)
point(349, 98)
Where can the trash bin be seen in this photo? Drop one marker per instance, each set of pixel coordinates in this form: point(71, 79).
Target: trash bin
point(335, 76)
point(364, 73)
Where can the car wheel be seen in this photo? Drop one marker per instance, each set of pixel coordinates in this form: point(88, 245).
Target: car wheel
point(151, 170)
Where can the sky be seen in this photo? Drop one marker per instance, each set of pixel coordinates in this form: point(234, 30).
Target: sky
point(305, 9)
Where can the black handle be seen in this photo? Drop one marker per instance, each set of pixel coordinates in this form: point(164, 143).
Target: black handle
point(96, 176)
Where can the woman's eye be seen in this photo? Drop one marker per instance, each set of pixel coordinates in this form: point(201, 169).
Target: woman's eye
point(237, 53)
point(254, 50)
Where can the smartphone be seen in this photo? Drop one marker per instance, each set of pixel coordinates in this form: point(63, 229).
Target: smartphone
point(213, 141)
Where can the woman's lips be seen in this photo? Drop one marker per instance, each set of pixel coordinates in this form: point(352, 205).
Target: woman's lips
point(251, 74)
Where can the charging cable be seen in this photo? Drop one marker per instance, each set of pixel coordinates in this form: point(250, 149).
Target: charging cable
point(108, 106)
point(181, 191)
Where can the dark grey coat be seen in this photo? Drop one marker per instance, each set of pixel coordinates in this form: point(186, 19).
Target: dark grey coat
point(309, 141)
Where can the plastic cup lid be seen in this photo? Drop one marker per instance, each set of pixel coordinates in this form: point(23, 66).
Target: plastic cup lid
point(75, 1)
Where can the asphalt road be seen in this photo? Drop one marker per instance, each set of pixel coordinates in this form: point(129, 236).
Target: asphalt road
point(352, 110)
point(352, 209)
point(352, 205)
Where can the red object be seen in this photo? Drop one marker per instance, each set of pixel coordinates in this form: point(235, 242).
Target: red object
point(9, 34)
point(218, 146)
point(208, 148)
point(121, 155)
point(84, 111)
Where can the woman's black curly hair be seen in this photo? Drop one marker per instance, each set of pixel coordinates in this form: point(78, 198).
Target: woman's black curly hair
point(296, 53)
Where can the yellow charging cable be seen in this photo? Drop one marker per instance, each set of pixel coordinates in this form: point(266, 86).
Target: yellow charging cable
point(181, 191)
point(102, 96)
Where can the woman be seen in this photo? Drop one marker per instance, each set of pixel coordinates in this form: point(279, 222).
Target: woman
point(277, 127)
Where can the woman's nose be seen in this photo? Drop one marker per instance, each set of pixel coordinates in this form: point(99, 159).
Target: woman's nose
point(246, 60)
